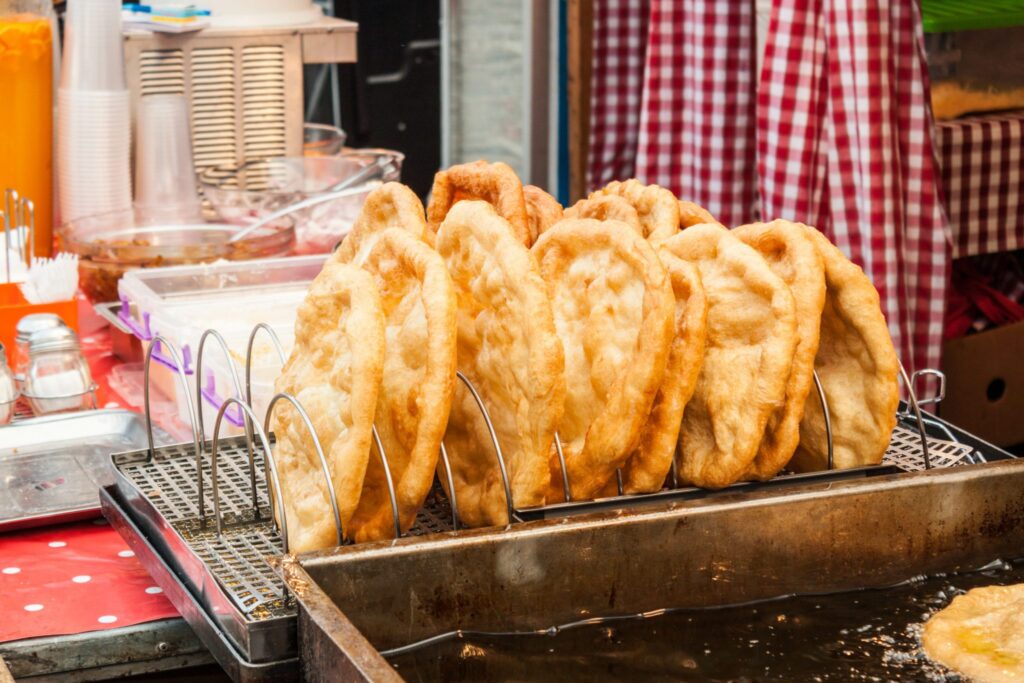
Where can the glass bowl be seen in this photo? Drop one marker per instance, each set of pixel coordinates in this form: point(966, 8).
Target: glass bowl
point(322, 140)
point(109, 245)
point(242, 194)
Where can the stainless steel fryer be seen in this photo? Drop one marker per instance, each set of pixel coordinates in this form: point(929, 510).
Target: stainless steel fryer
point(213, 563)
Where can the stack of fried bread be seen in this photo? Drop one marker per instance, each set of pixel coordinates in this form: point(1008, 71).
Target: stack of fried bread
point(632, 325)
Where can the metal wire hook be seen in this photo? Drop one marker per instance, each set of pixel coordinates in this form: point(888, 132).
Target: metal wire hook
point(494, 440)
point(238, 393)
point(248, 355)
point(451, 487)
point(830, 443)
point(389, 481)
point(912, 400)
point(319, 453)
point(565, 472)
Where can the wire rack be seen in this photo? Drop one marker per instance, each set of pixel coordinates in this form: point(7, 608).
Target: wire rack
point(233, 543)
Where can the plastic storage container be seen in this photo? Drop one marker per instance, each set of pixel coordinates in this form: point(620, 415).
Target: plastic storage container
point(180, 303)
point(975, 52)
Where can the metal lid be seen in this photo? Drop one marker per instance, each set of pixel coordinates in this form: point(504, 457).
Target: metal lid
point(53, 339)
point(35, 322)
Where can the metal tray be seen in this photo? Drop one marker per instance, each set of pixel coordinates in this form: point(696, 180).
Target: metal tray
point(52, 467)
point(357, 601)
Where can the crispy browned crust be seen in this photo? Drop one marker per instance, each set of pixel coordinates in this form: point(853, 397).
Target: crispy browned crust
point(508, 347)
point(750, 342)
point(605, 207)
point(542, 209)
point(334, 371)
point(650, 462)
point(419, 308)
point(793, 257)
point(496, 184)
point(656, 207)
point(857, 366)
point(613, 307)
point(691, 213)
point(392, 205)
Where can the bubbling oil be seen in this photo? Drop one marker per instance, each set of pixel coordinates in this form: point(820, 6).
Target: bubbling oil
point(866, 635)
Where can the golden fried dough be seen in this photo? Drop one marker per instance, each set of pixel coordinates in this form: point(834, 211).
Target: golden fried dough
point(542, 209)
point(980, 634)
point(508, 348)
point(691, 214)
point(604, 207)
point(857, 366)
point(657, 208)
point(334, 371)
point(751, 336)
point(613, 307)
point(496, 184)
point(650, 462)
point(392, 205)
point(419, 309)
point(793, 257)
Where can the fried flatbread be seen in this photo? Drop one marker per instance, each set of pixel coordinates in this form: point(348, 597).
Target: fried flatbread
point(613, 307)
point(392, 205)
point(980, 634)
point(793, 257)
point(657, 208)
point(647, 467)
point(691, 214)
point(542, 209)
point(604, 207)
point(334, 371)
point(497, 184)
point(858, 369)
point(508, 348)
point(751, 336)
point(419, 308)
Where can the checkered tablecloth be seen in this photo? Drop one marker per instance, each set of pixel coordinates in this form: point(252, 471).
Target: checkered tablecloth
point(697, 111)
point(982, 159)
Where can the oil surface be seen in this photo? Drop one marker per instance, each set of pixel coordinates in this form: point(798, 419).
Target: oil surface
point(869, 635)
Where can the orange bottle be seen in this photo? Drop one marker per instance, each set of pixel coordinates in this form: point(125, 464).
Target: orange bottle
point(26, 109)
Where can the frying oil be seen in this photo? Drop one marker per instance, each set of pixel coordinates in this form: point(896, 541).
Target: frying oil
point(868, 635)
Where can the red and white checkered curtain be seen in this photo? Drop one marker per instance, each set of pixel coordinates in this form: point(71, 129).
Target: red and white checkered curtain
point(617, 82)
point(844, 137)
point(836, 131)
point(697, 115)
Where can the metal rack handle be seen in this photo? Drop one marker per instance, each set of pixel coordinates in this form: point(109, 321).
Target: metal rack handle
point(390, 482)
point(319, 452)
point(566, 491)
point(823, 400)
point(238, 393)
point(930, 372)
point(912, 400)
point(494, 440)
point(248, 355)
point(269, 464)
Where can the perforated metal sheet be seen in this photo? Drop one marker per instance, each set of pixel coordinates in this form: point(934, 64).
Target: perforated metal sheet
point(905, 451)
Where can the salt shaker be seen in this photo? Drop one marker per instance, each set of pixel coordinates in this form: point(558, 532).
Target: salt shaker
point(27, 326)
point(8, 389)
point(58, 377)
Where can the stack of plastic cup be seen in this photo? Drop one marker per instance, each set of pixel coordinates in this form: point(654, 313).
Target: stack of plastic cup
point(165, 179)
point(93, 113)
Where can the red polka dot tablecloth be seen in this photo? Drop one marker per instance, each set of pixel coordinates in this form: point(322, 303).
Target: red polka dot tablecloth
point(73, 578)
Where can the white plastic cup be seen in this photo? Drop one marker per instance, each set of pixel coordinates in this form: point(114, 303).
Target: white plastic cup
point(165, 179)
point(93, 57)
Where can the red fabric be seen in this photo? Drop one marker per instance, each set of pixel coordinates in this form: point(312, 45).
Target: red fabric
point(72, 579)
point(982, 162)
point(987, 291)
point(617, 79)
point(697, 114)
point(844, 143)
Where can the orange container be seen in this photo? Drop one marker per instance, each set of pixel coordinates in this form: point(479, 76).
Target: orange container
point(26, 116)
point(13, 308)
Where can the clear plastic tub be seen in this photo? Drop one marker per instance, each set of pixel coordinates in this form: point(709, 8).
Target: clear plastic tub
point(180, 303)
